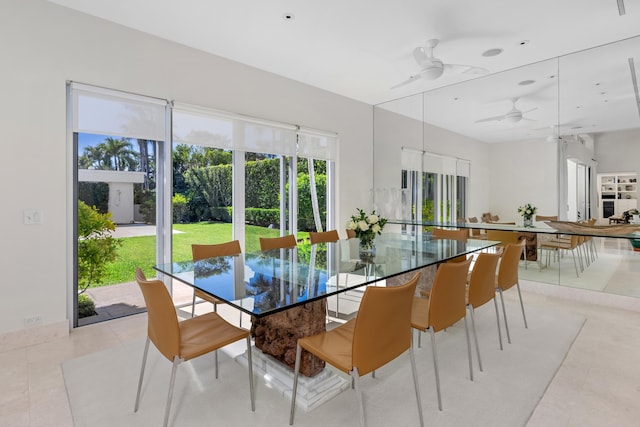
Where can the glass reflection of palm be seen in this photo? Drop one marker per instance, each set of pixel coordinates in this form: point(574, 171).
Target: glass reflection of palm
point(212, 266)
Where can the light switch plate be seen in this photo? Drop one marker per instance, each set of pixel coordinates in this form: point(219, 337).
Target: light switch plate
point(32, 216)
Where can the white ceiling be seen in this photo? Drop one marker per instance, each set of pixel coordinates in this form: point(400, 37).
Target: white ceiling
point(361, 48)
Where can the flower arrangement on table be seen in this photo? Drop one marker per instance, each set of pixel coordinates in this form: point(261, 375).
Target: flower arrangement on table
point(527, 212)
point(366, 226)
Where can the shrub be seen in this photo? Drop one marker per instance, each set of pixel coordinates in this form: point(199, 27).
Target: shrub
point(86, 306)
point(179, 208)
point(262, 217)
point(96, 247)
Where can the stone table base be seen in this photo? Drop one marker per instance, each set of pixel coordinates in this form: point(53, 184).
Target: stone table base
point(277, 335)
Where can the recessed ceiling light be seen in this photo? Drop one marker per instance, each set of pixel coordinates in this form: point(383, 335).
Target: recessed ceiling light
point(552, 76)
point(526, 82)
point(603, 93)
point(597, 84)
point(523, 42)
point(288, 16)
point(492, 52)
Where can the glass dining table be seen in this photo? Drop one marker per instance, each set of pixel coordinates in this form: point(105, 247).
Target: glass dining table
point(285, 290)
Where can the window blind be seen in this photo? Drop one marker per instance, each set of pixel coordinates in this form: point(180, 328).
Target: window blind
point(104, 111)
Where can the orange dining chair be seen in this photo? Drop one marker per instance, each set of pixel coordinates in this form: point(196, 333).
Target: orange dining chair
point(283, 242)
point(461, 235)
point(351, 233)
point(182, 341)
point(323, 237)
point(507, 277)
point(326, 237)
point(445, 307)
point(481, 290)
point(380, 333)
point(476, 233)
point(208, 251)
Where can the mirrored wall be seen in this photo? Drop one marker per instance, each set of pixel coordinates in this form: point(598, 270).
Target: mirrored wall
point(545, 134)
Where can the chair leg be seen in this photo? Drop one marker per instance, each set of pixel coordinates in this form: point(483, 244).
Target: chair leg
point(495, 304)
point(415, 383)
point(356, 380)
point(435, 366)
point(251, 390)
point(575, 264)
point(522, 306)
point(144, 362)
point(176, 362)
point(296, 371)
point(193, 305)
point(215, 356)
point(466, 331)
point(504, 312)
point(475, 335)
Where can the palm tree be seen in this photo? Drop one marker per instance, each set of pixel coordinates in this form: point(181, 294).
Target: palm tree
point(93, 158)
point(119, 153)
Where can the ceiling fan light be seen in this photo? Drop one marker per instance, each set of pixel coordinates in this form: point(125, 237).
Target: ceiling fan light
point(432, 72)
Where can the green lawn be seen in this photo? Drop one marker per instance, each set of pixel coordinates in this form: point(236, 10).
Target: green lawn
point(140, 251)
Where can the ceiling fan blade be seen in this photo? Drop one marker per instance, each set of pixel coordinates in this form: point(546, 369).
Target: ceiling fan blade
point(491, 119)
point(421, 56)
point(530, 110)
point(531, 120)
point(465, 69)
point(409, 80)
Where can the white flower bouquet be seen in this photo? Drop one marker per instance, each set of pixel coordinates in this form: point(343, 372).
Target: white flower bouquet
point(366, 226)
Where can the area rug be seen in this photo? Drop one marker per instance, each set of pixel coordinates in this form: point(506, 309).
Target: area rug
point(102, 386)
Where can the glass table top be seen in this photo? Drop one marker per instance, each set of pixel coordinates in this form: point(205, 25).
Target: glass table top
point(263, 283)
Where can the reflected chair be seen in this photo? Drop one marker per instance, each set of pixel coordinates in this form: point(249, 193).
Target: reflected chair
point(560, 244)
point(461, 235)
point(445, 307)
point(350, 233)
point(323, 237)
point(542, 218)
point(379, 334)
point(208, 251)
point(284, 242)
point(481, 290)
point(185, 340)
point(507, 277)
point(476, 233)
point(504, 237)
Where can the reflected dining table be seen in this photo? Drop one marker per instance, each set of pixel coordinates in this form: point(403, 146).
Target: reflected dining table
point(285, 291)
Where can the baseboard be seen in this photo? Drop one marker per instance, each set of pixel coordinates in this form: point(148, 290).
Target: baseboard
point(583, 295)
point(33, 335)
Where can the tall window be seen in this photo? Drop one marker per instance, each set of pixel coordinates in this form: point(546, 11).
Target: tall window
point(117, 141)
point(435, 187)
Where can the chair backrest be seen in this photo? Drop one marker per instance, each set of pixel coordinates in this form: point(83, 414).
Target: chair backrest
point(447, 298)
point(482, 284)
point(383, 325)
point(508, 270)
point(503, 236)
point(441, 233)
point(284, 242)
point(323, 237)
point(351, 233)
point(540, 218)
point(162, 327)
point(220, 249)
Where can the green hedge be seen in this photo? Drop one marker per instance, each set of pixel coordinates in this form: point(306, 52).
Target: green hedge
point(262, 217)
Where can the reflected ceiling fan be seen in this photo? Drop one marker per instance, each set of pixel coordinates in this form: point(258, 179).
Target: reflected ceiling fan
point(432, 68)
point(513, 116)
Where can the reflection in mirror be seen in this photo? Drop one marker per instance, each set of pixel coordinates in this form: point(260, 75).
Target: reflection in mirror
point(543, 134)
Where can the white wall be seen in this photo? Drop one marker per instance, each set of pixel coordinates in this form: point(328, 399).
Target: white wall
point(618, 151)
point(523, 172)
point(43, 46)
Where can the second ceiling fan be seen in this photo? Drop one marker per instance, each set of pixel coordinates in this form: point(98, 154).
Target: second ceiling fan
point(513, 116)
point(432, 68)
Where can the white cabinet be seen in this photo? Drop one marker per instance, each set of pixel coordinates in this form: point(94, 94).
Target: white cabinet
point(617, 193)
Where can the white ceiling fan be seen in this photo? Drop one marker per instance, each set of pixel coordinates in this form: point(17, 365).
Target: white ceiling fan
point(432, 68)
point(513, 116)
